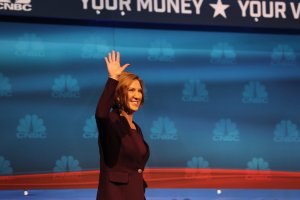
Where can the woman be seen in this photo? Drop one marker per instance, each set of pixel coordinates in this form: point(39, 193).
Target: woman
point(123, 151)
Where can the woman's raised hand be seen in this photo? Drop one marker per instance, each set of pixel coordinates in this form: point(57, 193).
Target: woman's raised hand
point(113, 65)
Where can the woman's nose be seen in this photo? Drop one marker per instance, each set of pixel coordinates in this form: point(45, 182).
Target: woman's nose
point(137, 95)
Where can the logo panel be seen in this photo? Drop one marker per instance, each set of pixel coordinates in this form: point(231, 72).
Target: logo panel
point(223, 53)
point(255, 92)
point(161, 51)
point(66, 164)
point(90, 128)
point(30, 45)
point(5, 168)
point(5, 86)
point(163, 129)
point(283, 54)
point(32, 127)
point(198, 163)
point(286, 131)
point(94, 47)
point(226, 130)
point(65, 86)
point(194, 91)
point(258, 170)
point(18, 5)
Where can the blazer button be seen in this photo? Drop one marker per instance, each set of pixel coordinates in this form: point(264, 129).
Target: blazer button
point(140, 170)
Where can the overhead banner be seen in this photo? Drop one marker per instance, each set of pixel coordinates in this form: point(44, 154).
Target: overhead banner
point(277, 14)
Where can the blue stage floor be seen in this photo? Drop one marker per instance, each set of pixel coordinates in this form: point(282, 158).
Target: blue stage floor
point(158, 194)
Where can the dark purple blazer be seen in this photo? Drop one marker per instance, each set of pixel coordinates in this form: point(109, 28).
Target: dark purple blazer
point(121, 163)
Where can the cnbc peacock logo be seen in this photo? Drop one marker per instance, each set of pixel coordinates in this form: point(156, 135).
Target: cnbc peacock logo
point(255, 92)
point(192, 172)
point(32, 127)
point(283, 54)
point(94, 47)
point(30, 45)
point(90, 128)
point(286, 131)
point(258, 169)
point(65, 86)
point(161, 51)
point(5, 168)
point(67, 164)
point(5, 86)
point(226, 131)
point(223, 53)
point(17, 5)
point(194, 91)
point(163, 129)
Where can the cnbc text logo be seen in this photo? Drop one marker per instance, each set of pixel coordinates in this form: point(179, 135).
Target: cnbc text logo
point(67, 164)
point(163, 129)
point(5, 168)
point(94, 47)
point(198, 168)
point(5, 86)
point(226, 130)
point(32, 127)
point(161, 51)
point(258, 169)
point(65, 86)
point(90, 128)
point(255, 92)
point(30, 45)
point(195, 91)
point(286, 131)
point(283, 55)
point(223, 53)
point(17, 5)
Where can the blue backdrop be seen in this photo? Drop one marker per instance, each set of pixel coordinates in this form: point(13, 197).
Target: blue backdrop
point(213, 99)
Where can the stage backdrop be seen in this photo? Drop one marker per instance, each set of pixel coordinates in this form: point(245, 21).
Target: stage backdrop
point(213, 99)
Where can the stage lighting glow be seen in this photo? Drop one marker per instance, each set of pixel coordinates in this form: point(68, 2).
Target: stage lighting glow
point(26, 193)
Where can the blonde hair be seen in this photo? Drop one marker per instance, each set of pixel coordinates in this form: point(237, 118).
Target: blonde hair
point(120, 98)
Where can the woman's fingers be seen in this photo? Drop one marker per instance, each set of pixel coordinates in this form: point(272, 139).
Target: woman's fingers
point(113, 56)
point(109, 57)
point(125, 66)
point(118, 57)
point(113, 64)
point(106, 60)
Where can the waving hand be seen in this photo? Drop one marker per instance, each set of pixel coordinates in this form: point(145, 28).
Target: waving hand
point(113, 65)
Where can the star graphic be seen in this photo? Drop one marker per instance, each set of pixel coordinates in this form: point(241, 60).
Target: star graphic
point(219, 8)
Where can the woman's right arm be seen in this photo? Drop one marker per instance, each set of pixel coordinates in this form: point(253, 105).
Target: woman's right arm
point(114, 70)
point(106, 99)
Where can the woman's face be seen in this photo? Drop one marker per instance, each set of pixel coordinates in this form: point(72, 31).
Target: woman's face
point(134, 95)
